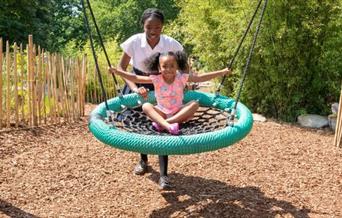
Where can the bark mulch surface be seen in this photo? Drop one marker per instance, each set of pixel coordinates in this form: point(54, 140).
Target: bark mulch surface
point(278, 170)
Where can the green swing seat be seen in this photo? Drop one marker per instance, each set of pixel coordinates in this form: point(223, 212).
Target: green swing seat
point(110, 134)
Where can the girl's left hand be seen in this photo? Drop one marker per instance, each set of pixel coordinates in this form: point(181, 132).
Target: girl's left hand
point(226, 71)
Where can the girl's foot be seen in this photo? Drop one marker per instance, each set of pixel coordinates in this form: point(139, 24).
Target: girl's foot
point(174, 129)
point(158, 127)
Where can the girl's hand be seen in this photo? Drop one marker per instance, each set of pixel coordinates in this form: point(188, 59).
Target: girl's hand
point(226, 71)
point(141, 91)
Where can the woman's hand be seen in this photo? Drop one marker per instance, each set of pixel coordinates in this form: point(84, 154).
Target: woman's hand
point(111, 70)
point(129, 76)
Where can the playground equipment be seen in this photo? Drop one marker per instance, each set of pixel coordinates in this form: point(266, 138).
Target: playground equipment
point(109, 122)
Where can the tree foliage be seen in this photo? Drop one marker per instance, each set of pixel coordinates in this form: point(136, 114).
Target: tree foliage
point(296, 67)
point(20, 18)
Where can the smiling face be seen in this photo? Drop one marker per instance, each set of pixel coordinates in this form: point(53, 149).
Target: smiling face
point(153, 28)
point(168, 67)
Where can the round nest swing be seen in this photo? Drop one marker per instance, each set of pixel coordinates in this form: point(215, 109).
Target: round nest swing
point(210, 129)
point(207, 131)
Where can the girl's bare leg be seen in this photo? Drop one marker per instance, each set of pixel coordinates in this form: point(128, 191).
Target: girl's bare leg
point(156, 115)
point(184, 114)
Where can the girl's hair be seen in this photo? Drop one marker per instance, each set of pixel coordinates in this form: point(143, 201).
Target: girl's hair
point(152, 13)
point(152, 62)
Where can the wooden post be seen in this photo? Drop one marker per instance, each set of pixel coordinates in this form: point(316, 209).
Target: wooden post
point(64, 94)
point(8, 96)
point(29, 84)
point(23, 95)
point(33, 78)
point(68, 90)
point(1, 115)
point(95, 87)
point(54, 88)
point(39, 85)
point(16, 107)
point(79, 82)
point(45, 83)
point(84, 73)
point(49, 82)
point(338, 128)
point(61, 86)
point(72, 88)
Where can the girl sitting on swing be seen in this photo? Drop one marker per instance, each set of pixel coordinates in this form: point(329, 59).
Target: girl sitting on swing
point(169, 84)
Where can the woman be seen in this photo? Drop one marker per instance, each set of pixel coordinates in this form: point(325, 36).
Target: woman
point(136, 50)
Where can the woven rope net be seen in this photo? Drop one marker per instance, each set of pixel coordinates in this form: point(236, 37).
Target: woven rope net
point(206, 119)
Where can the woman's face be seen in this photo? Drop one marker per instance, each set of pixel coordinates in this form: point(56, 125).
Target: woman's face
point(168, 67)
point(153, 28)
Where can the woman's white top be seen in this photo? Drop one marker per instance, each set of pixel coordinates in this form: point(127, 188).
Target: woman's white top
point(138, 48)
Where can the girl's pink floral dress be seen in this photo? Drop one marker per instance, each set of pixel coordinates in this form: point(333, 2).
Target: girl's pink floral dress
point(169, 96)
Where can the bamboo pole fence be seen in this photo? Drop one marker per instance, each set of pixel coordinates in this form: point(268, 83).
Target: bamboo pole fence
point(338, 128)
point(38, 88)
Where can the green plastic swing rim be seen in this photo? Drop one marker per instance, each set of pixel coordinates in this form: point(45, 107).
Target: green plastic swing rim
point(171, 145)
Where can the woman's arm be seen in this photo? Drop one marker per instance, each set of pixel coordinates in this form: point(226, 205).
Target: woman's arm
point(123, 64)
point(208, 76)
point(130, 76)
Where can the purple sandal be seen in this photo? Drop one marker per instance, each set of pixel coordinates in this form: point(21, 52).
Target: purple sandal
point(158, 127)
point(174, 129)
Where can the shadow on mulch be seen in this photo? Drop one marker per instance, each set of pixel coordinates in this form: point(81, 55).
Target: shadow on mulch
point(200, 197)
point(13, 211)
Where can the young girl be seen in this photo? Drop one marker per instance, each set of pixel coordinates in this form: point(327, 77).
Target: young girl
point(169, 85)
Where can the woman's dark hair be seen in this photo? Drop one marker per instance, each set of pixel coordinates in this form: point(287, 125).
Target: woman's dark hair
point(152, 13)
point(152, 62)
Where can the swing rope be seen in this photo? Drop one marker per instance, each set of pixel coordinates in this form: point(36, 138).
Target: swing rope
point(249, 58)
point(230, 65)
point(94, 55)
point(118, 92)
point(233, 111)
point(231, 116)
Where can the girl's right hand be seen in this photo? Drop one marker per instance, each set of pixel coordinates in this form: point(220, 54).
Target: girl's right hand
point(141, 91)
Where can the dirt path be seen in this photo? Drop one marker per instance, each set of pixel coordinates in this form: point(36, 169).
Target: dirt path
point(279, 170)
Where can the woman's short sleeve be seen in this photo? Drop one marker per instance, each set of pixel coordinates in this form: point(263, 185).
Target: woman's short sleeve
point(127, 46)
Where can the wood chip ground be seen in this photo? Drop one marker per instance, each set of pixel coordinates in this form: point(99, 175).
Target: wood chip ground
point(278, 170)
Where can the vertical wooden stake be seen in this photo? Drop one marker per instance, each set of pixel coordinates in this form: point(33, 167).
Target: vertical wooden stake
point(8, 96)
point(49, 82)
point(1, 115)
point(23, 95)
point(29, 83)
point(34, 94)
point(16, 107)
point(338, 132)
point(39, 85)
point(45, 83)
